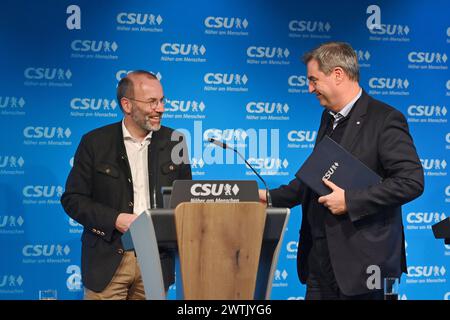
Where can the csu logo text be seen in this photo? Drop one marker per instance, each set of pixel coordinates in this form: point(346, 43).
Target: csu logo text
point(92, 104)
point(388, 83)
point(46, 250)
point(433, 164)
point(46, 132)
point(47, 73)
point(427, 57)
point(297, 81)
point(11, 161)
point(40, 191)
point(94, 46)
point(214, 189)
point(183, 49)
point(426, 110)
point(184, 106)
point(226, 23)
point(268, 164)
point(426, 271)
point(132, 18)
point(10, 281)
point(390, 29)
point(225, 78)
point(302, 136)
point(226, 134)
point(267, 107)
point(11, 102)
point(267, 52)
point(309, 26)
point(425, 217)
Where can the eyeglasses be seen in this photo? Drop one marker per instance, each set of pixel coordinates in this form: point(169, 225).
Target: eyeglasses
point(152, 103)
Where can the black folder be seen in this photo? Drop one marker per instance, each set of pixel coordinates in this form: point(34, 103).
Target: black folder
point(331, 161)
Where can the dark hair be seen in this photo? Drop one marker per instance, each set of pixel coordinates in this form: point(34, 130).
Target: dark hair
point(335, 54)
point(125, 88)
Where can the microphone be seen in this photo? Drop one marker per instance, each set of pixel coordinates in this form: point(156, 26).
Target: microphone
point(225, 146)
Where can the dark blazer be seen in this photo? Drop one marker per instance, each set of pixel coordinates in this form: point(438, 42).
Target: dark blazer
point(100, 186)
point(371, 232)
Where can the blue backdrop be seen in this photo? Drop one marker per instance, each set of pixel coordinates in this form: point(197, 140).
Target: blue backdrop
point(231, 70)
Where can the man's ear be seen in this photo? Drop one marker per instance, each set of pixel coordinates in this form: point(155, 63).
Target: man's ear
point(339, 74)
point(126, 105)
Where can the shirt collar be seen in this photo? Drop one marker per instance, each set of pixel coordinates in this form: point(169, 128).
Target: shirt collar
point(348, 107)
point(127, 135)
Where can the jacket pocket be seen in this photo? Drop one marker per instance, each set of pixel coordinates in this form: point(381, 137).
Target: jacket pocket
point(89, 239)
point(107, 169)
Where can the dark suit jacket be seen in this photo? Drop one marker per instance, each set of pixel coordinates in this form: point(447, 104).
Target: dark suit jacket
point(371, 233)
point(100, 186)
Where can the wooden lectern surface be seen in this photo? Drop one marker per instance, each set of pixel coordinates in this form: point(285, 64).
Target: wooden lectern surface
point(219, 246)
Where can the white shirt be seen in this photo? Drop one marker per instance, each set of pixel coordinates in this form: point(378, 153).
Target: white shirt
point(345, 110)
point(137, 153)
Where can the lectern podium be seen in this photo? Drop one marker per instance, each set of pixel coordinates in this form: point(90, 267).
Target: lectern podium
point(228, 250)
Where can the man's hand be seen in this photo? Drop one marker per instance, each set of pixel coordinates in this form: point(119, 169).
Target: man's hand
point(335, 201)
point(262, 195)
point(124, 220)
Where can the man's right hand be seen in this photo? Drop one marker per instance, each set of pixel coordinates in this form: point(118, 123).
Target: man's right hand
point(262, 195)
point(124, 221)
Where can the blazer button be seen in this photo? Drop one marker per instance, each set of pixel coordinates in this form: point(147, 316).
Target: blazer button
point(120, 251)
point(129, 180)
point(130, 204)
point(171, 167)
point(102, 233)
point(108, 170)
point(94, 230)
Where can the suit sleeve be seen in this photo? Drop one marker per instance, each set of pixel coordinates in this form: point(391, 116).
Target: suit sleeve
point(289, 195)
point(77, 198)
point(403, 173)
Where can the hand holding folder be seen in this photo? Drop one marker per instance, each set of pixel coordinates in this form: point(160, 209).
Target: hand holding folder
point(331, 161)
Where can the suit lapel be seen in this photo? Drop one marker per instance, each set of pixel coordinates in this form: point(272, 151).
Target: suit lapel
point(324, 123)
point(355, 122)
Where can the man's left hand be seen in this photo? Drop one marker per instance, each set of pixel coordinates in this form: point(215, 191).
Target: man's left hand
point(335, 201)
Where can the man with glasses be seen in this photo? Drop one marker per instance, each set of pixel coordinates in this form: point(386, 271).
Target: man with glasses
point(118, 173)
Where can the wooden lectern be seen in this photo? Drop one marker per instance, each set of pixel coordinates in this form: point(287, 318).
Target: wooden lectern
point(227, 250)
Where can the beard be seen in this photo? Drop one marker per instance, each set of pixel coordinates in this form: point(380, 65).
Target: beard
point(143, 121)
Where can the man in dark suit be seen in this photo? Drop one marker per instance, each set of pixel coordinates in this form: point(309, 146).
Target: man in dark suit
point(348, 236)
point(118, 173)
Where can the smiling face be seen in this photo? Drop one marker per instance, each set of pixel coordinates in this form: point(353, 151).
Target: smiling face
point(322, 85)
point(143, 111)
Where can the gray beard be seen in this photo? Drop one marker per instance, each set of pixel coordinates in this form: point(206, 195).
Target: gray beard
point(144, 125)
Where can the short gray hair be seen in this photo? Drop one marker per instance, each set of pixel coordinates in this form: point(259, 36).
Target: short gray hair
point(335, 54)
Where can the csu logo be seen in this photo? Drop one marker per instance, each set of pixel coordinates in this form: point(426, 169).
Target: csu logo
point(447, 191)
point(10, 281)
point(309, 26)
point(331, 171)
point(94, 46)
point(37, 191)
point(430, 164)
point(46, 250)
point(297, 81)
point(267, 52)
point(183, 49)
point(268, 164)
point(46, 132)
point(426, 271)
point(122, 73)
point(292, 247)
point(73, 281)
point(226, 23)
point(11, 221)
point(226, 134)
point(11, 162)
point(363, 55)
point(428, 57)
point(225, 78)
point(139, 18)
point(214, 189)
point(184, 106)
point(92, 104)
point(425, 217)
point(12, 102)
point(390, 29)
point(267, 107)
point(420, 110)
point(47, 73)
point(302, 136)
point(388, 83)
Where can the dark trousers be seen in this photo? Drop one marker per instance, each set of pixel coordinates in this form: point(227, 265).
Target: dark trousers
point(321, 283)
